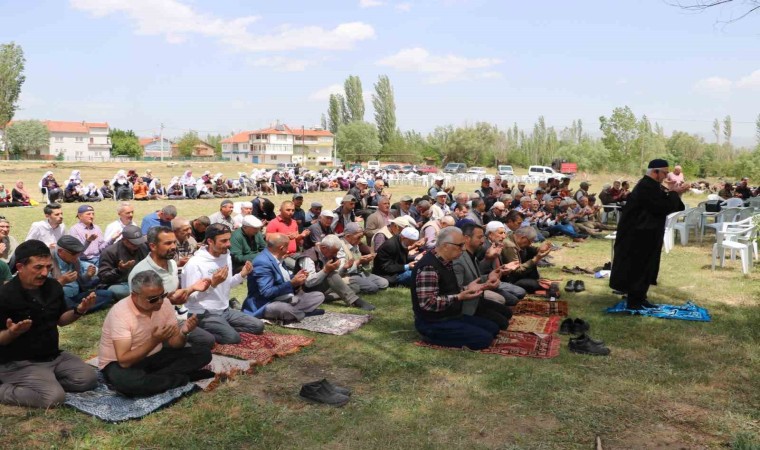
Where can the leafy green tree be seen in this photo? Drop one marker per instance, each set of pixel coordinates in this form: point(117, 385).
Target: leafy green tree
point(187, 143)
point(757, 131)
point(11, 78)
point(354, 98)
point(385, 109)
point(727, 130)
point(620, 133)
point(335, 113)
point(716, 130)
point(125, 143)
point(27, 137)
point(216, 142)
point(358, 141)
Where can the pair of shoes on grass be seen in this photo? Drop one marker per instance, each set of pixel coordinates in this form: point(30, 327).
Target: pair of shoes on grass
point(575, 286)
point(582, 343)
point(324, 392)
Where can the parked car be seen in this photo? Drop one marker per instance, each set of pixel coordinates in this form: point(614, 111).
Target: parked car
point(422, 170)
point(477, 170)
point(373, 165)
point(407, 168)
point(542, 172)
point(393, 167)
point(286, 166)
point(455, 168)
point(505, 170)
point(355, 166)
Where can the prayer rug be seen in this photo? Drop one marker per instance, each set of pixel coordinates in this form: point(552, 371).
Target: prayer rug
point(110, 406)
point(513, 343)
point(528, 323)
point(260, 349)
point(541, 308)
point(687, 311)
point(331, 323)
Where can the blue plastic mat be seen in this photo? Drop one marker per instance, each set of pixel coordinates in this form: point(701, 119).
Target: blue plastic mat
point(110, 406)
point(687, 311)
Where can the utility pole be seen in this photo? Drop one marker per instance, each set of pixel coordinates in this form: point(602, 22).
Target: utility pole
point(162, 142)
point(303, 142)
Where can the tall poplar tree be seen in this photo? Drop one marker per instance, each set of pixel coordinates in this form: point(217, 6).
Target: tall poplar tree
point(11, 78)
point(335, 113)
point(354, 98)
point(727, 130)
point(385, 109)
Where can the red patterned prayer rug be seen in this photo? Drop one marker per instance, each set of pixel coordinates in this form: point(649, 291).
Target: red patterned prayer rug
point(529, 323)
point(541, 308)
point(512, 343)
point(261, 349)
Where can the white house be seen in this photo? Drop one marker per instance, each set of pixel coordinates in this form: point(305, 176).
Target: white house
point(237, 147)
point(280, 144)
point(76, 141)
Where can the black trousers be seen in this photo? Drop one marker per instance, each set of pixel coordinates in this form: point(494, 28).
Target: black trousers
point(167, 369)
point(495, 312)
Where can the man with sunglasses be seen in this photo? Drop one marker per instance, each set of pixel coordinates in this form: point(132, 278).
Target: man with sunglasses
point(142, 348)
point(212, 306)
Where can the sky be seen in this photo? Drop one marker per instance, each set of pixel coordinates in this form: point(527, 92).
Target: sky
point(225, 66)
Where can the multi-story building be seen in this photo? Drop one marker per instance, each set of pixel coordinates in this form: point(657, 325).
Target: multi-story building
point(280, 144)
point(76, 141)
point(152, 147)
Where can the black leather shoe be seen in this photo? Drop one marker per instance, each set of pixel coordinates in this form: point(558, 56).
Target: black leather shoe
point(580, 326)
point(334, 388)
point(570, 286)
point(316, 392)
point(580, 286)
point(200, 374)
point(566, 327)
point(359, 303)
point(646, 304)
point(586, 346)
point(634, 307)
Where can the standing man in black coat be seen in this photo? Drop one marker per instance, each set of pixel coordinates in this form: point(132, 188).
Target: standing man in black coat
point(640, 233)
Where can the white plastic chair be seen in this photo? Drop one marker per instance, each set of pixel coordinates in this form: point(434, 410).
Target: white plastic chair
point(734, 202)
point(737, 241)
point(691, 218)
point(726, 215)
point(745, 213)
point(669, 238)
point(754, 202)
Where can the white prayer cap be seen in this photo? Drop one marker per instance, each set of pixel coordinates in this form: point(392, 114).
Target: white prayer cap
point(327, 213)
point(410, 233)
point(499, 205)
point(252, 221)
point(401, 221)
point(438, 178)
point(411, 221)
point(494, 225)
point(246, 205)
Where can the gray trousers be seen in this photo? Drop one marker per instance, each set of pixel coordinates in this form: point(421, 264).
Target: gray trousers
point(335, 288)
point(304, 302)
point(511, 293)
point(367, 283)
point(225, 326)
point(44, 384)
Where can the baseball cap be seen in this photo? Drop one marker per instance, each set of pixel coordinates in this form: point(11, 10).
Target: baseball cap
point(438, 178)
point(361, 180)
point(133, 234)
point(585, 184)
point(252, 222)
point(405, 198)
point(348, 198)
point(440, 193)
point(84, 209)
point(71, 244)
point(316, 205)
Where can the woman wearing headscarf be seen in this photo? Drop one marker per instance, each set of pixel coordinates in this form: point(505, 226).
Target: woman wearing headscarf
point(5, 198)
point(48, 183)
point(7, 243)
point(156, 191)
point(189, 183)
point(19, 194)
point(121, 187)
point(92, 194)
point(140, 189)
point(73, 191)
point(76, 175)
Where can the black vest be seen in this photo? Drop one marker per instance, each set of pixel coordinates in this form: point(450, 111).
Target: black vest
point(447, 285)
point(318, 265)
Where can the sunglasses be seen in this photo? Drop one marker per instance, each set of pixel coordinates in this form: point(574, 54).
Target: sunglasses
point(156, 298)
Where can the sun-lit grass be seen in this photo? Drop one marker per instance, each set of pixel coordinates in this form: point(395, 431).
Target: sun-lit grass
point(669, 384)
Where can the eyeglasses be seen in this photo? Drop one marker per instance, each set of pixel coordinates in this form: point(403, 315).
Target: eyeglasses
point(461, 246)
point(155, 298)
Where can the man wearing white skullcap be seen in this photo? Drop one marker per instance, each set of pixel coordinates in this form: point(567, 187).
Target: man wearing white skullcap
point(246, 208)
point(246, 242)
point(393, 261)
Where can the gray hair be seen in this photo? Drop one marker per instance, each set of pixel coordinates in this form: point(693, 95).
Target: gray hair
point(203, 220)
point(448, 220)
point(528, 232)
point(179, 222)
point(4, 220)
point(331, 241)
point(122, 206)
point(169, 210)
point(145, 278)
point(462, 196)
point(447, 236)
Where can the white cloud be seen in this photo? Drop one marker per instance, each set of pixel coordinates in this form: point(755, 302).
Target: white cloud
point(713, 85)
point(404, 7)
point(283, 64)
point(370, 3)
point(177, 21)
point(441, 69)
point(751, 81)
point(324, 93)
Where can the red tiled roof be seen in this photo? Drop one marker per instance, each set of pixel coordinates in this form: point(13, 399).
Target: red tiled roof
point(97, 124)
point(240, 137)
point(146, 141)
point(55, 126)
point(294, 131)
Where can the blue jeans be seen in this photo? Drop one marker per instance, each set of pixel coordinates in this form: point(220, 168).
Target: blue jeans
point(103, 298)
point(404, 278)
point(565, 229)
point(472, 332)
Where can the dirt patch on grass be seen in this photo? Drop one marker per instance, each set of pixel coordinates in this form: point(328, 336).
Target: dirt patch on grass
point(660, 436)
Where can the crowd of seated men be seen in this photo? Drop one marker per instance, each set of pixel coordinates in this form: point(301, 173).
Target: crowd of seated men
point(467, 259)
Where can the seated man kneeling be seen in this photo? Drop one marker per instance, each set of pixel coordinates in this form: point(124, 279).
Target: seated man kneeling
point(324, 272)
point(142, 349)
point(270, 285)
point(438, 302)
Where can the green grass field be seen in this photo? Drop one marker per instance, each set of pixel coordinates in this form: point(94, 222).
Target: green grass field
point(667, 384)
